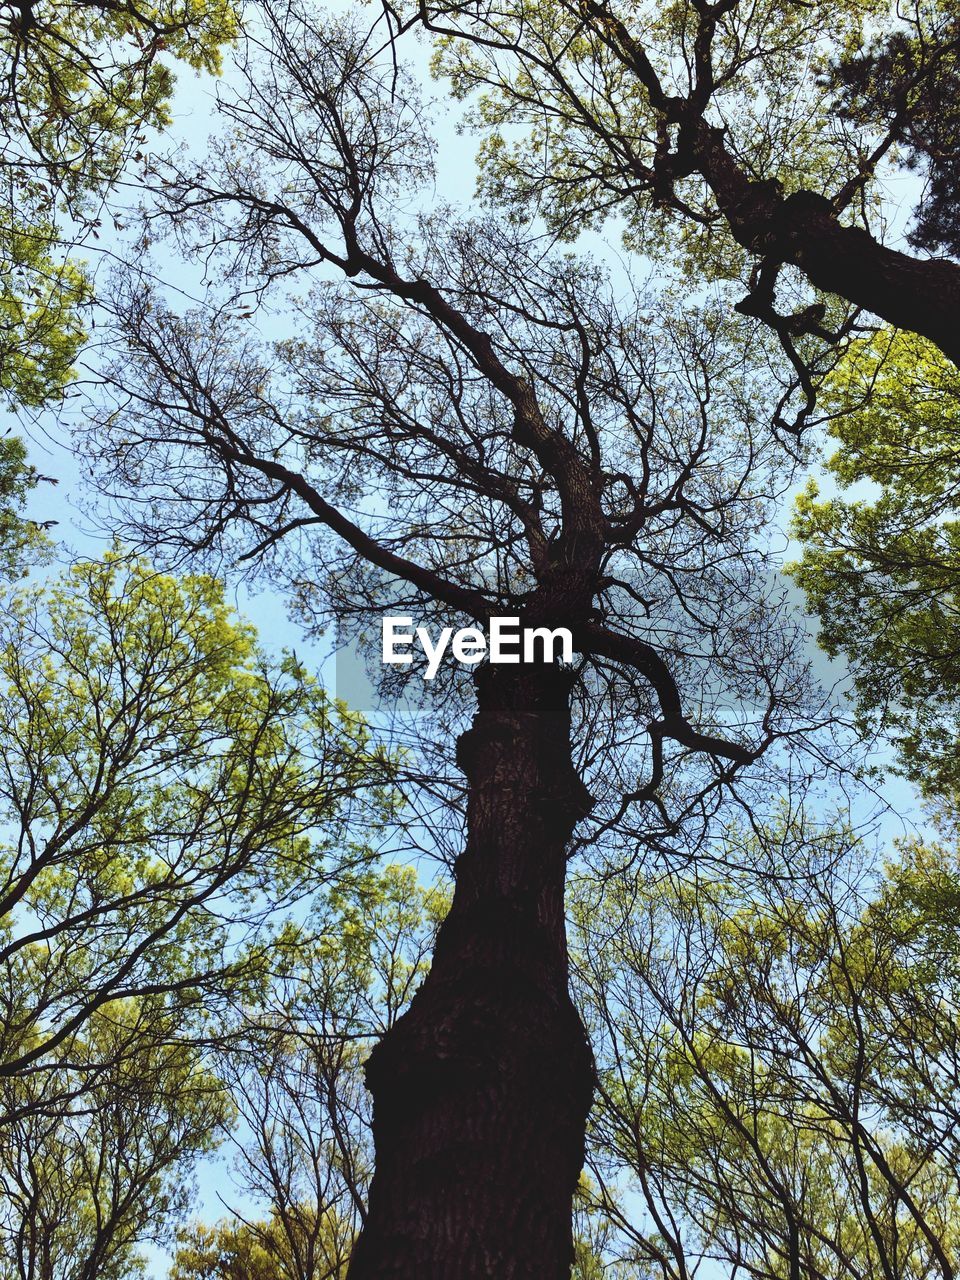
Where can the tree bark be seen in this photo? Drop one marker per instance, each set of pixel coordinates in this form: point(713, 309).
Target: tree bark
point(919, 294)
point(481, 1090)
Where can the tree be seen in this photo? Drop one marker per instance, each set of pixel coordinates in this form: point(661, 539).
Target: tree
point(881, 572)
point(90, 1175)
point(749, 136)
point(166, 793)
point(237, 1250)
point(474, 428)
point(777, 1057)
point(83, 85)
point(40, 327)
point(301, 1122)
point(21, 540)
point(777, 1035)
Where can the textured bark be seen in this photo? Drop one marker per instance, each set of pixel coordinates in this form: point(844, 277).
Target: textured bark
point(919, 294)
point(481, 1090)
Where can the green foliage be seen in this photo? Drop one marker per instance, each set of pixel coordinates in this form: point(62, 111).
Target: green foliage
point(21, 542)
point(88, 1178)
point(294, 1067)
point(778, 1050)
point(40, 329)
point(160, 779)
point(909, 79)
point(570, 129)
point(226, 1251)
point(594, 1235)
point(882, 571)
point(378, 926)
point(251, 1251)
point(83, 85)
point(165, 791)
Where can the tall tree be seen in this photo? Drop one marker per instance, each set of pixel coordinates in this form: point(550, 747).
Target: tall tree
point(750, 134)
point(466, 427)
point(301, 1128)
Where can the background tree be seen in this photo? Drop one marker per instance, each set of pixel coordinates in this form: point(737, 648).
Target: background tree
point(41, 330)
point(96, 1157)
point(777, 1057)
point(166, 793)
point(21, 540)
point(294, 1069)
point(777, 1035)
point(83, 87)
point(240, 1250)
point(474, 428)
point(744, 139)
point(884, 568)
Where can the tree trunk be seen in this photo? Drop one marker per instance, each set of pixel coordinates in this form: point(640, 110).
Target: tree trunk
point(481, 1090)
point(919, 294)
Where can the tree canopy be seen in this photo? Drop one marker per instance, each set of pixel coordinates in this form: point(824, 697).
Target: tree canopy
point(776, 1047)
point(467, 426)
point(166, 792)
point(881, 571)
point(745, 137)
point(84, 87)
point(21, 540)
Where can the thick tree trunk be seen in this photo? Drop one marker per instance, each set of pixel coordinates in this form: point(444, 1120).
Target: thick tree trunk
point(919, 294)
point(481, 1090)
